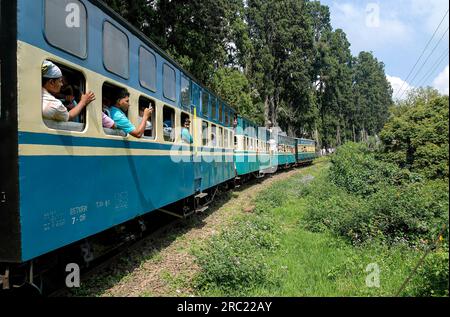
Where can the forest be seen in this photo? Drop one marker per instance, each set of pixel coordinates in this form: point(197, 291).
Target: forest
point(277, 62)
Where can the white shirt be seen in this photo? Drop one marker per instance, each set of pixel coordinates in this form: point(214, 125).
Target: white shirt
point(52, 108)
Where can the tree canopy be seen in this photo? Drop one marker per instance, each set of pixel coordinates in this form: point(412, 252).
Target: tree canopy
point(276, 61)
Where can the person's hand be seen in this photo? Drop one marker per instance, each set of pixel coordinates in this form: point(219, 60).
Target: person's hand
point(88, 98)
point(147, 113)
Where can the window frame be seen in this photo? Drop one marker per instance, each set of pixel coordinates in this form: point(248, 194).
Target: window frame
point(174, 118)
point(103, 49)
point(204, 122)
point(153, 118)
point(60, 48)
point(164, 67)
point(84, 112)
point(156, 69)
point(203, 93)
point(189, 82)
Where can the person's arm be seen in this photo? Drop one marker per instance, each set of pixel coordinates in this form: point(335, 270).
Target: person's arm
point(85, 100)
point(139, 131)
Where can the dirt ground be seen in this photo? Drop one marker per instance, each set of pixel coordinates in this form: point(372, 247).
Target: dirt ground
point(163, 265)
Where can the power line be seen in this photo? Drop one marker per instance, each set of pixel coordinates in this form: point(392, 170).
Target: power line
point(426, 60)
point(426, 46)
point(434, 67)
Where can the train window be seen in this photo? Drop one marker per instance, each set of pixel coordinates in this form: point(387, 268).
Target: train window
point(169, 82)
point(220, 137)
point(213, 108)
point(214, 137)
point(66, 26)
point(115, 50)
point(169, 124)
point(73, 85)
point(109, 95)
point(184, 137)
point(147, 69)
point(220, 112)
point(149, 132)
point(205, 133)
point(196, 96)
point(226, 139)
point(205, 103)
point(227, 118)
point(185, 92)
point(235, 141)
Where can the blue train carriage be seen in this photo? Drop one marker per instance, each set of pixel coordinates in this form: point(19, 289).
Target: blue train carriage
point(251, 153)
point(63, 182)
point(306, 150)
point(286, 150)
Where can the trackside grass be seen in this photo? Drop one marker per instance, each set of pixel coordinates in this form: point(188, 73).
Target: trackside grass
point(271, 252)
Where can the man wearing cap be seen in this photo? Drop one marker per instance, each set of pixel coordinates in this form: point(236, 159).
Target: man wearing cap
point(53, 108)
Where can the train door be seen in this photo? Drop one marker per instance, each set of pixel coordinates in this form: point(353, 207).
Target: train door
point(197, 134)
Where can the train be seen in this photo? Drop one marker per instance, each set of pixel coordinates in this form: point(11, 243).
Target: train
point(63, 182)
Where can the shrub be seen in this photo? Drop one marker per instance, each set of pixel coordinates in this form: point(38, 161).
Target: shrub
point(432, 276)
point(234, 260)
point(356, 169)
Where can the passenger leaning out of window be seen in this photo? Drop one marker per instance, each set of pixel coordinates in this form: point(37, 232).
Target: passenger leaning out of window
point(53, 108)
point(186, 136)
point(122, 103)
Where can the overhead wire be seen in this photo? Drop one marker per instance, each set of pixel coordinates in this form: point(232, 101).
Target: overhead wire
point(423, 52)
point(426, 60)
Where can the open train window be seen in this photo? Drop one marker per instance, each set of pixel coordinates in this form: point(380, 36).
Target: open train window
point(205, 133)
point(220, 137)
point(66, 26)
point(184, 137)
point(214, 137)
point(109, 96)
point(149, 132)
point(226, 139)
point(169, 124)
point(67, 90)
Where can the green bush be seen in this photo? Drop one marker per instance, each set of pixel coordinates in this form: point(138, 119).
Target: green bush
point(233, 261)
point(356, 169)
point(431, 278)
point(416, 138)
point(411, 213)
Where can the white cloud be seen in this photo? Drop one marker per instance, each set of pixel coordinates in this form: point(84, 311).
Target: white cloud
point(432, 11)
point(371, 26)
point(397, 83)
point(441, 81)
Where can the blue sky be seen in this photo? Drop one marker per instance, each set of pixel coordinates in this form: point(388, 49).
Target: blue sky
point(397, 32)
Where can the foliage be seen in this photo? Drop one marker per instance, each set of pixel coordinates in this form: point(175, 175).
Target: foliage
point(233, 261)
point(364, 199)
point(356, 169)
point(416, 136)
point(277, 61)
point(432, 276)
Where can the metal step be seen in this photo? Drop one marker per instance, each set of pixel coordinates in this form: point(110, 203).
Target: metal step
point(201, 195)
point(202, 209)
